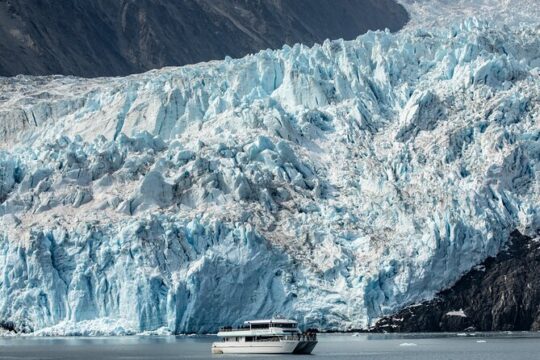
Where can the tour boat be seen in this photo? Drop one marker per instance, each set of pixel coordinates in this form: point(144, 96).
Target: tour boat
point(276, 336)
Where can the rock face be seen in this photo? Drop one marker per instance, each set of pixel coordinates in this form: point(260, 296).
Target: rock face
point(118, 37)
point(503, 293)
point(333, 184)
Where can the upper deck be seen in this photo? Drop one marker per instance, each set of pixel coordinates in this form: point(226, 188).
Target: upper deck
point(276, 327)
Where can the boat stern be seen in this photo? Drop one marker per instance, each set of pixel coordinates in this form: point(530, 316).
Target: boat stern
point(305, 347)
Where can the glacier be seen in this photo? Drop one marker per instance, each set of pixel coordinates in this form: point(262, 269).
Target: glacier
point(333, 184)
point(437, 13)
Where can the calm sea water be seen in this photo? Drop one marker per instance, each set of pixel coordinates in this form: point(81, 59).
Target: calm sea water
point(492, 346)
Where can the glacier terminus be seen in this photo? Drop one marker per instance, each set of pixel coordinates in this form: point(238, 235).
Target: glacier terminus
point(332, 184)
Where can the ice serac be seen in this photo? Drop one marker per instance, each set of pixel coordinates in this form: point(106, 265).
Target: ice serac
point(332, 184)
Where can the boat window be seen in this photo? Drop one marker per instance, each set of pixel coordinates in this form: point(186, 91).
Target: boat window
point(285, 326)
point(268, 338)
point(259, 326)
point(249, 338)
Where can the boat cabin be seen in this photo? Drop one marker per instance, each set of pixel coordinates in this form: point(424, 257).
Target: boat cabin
point(263, 330)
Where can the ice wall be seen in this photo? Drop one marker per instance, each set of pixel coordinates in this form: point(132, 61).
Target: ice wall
point(332, 184)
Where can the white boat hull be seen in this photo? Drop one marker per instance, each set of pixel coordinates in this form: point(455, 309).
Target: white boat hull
point(266, 347)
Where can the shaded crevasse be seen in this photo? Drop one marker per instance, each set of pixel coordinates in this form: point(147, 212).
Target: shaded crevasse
point(333, 184)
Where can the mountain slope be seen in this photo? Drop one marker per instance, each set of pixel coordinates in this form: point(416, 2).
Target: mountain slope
point(334, 184)
point(106, 37)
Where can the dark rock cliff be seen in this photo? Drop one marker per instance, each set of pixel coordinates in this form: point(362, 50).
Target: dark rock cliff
point(503, 293)
point(118, 37)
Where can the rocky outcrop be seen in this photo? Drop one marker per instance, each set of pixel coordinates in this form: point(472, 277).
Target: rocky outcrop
point(503, 293)
point(108, 38)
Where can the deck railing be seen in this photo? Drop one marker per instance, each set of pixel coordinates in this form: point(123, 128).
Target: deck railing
point(245, 327)
point(297, 337)
point(230, 328)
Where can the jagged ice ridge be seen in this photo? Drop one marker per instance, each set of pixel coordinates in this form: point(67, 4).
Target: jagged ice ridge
point(332, 184)
point(436, 13)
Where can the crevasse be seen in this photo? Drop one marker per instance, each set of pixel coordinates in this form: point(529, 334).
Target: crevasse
point(332, 184)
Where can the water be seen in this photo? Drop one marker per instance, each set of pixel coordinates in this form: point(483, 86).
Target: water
point(493, 346)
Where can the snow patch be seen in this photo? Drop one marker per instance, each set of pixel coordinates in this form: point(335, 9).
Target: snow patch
point(459, 313)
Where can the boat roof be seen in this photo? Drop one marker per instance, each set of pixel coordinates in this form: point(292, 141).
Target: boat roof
point(268, 321)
